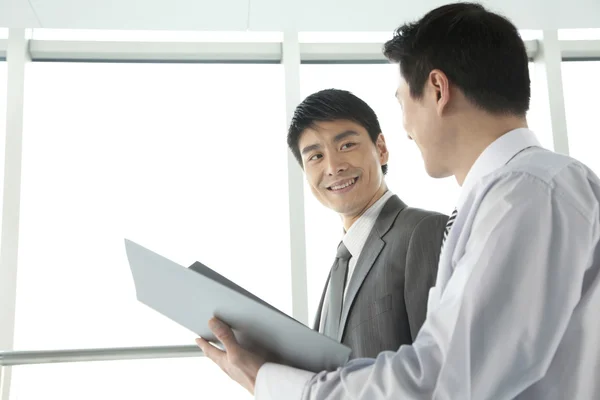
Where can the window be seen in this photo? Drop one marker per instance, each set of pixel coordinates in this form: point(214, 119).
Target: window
point(530, 34)
point(159, 379)
point(375, 84)
point(581, 107)
point(538, 117)
point(579, 34)
point(186, 159)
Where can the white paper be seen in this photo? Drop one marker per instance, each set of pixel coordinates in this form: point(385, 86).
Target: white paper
point(191, 296)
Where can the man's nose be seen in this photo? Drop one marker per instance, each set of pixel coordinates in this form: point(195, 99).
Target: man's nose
point(336, 165)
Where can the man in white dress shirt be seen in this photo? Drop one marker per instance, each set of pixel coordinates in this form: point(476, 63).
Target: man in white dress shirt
point(514, 313)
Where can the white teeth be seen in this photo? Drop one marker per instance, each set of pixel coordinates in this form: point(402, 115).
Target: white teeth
point(345, 185)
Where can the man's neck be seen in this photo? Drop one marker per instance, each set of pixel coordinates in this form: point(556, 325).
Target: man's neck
point(349, 220)
point(477, 137)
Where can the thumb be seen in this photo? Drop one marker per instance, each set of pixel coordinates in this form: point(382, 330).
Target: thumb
point(222, 332)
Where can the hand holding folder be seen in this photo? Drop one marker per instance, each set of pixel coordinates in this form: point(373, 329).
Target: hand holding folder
point(192, 296)
point(241, 365)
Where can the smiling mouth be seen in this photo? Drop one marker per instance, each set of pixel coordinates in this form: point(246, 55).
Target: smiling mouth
point(343, 185)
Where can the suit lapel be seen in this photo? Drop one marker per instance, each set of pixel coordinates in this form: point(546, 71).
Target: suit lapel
point(369, 254)
point(371, 251)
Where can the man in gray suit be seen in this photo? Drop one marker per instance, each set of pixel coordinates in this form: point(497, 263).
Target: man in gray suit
point(375, 298)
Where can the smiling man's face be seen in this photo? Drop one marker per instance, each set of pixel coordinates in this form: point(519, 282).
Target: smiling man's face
point(343, 165)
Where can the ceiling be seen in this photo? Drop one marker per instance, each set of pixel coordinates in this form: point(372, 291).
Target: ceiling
point(274, 15)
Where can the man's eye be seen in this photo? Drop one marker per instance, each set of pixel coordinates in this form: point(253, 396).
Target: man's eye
point(316, 156)
point(347, 146)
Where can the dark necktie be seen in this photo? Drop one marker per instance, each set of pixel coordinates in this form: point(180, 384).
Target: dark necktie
point(449, 226)
point(337, 283)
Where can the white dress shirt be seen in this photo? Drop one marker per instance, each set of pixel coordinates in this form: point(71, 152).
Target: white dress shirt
point(515, 310)
point(355, 240)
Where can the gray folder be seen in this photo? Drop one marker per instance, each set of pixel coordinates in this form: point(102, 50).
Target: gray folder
point(191, 296)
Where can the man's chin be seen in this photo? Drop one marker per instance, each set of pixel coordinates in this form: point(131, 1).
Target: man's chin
point(436, 172)
point(345, 205)
point(346, 210)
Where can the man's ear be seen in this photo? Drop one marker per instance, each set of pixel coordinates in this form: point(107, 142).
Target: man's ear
point(382, 150)
point(440, 84)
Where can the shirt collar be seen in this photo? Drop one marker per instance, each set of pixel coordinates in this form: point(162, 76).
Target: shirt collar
point(497, 154)
point(357, 235)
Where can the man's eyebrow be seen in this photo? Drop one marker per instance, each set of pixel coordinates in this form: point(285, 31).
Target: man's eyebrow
point(310, 148)
point(338, 138)
point(341, 136)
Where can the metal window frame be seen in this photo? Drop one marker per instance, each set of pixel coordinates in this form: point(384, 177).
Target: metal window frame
point(291, 55)
point(13, 358)
point(363, 53)
point(154, 52)
point(17, 57)
point(548, 71)
point(3, 47)
point(580, 50)
point(209, 52)
point(244, 52)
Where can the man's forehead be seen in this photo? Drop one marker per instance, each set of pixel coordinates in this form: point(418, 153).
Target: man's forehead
point(325, 129)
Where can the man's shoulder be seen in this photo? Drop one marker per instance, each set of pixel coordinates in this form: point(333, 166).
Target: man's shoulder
point(546, 166)
point(418, 215)
point(416, 228)
point(553, 172)
point(558, 179)
point(407, 211)
point(412, 218)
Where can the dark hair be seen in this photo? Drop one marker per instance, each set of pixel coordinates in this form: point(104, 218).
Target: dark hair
point(331, 105)
point(481, 52)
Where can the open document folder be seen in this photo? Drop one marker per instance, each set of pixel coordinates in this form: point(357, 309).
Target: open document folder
point(191, 296)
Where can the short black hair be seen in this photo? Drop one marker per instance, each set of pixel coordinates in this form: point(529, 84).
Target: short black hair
point(331, 105)
point(481, 52)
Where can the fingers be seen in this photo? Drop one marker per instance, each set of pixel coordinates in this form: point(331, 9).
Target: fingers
point(223, 333)
point(241, 365)
point(210, 351)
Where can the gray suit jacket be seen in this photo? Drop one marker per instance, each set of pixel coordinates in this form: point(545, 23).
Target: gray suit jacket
point(386, 299)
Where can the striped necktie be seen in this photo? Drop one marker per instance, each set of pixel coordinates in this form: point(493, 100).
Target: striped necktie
point(448, 226)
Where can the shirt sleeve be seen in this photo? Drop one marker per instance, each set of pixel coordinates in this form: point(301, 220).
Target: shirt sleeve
point(276, 381)
point(501, 316)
